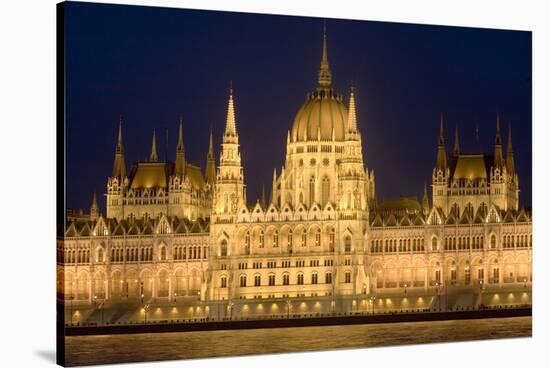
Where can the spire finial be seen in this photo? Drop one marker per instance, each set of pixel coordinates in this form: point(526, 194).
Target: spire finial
point(441, 162)
point(352, 115)
point(180, 151)
point(119, 166)
point(263, 202)
point(180, 146)
point(94, 209)
point(509, 147)
point(441, 134)
point(510, 165)
point(498, 139)
point(325, 76)
point(154, 156)
point(230, 126)
point(499, 160)
point(425, 200)
point(120, 147)
point(211, 144)
point(456, 149)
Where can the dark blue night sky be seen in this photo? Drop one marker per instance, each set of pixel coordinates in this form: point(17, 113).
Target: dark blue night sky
point(152, 64)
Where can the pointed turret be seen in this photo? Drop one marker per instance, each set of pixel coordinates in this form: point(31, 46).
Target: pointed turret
point(352, 116)
point(441, 163)
point(274, 187)
point(154, 157)
point(262, 200)
point(211, 161)
point(456, 149)
point(499, 160)
point(119, 166)
point(425, 201)
point(325, 76)
point(180, 151)
point(230, 178)
point(510, 165)
point(230, 123)
point(94, 209)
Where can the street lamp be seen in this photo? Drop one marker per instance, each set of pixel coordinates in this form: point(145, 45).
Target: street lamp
point(146, 310)
point(175, 297)
point(405, 289)
point(437, 295)
point(288, 303)
point(480, 293)
point(230, 305)
point(72, 297)
point(373, 299)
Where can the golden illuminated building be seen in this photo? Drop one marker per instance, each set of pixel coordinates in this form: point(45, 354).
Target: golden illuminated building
point(322, 240)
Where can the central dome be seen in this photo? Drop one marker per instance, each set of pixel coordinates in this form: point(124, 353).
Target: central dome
point(321, 113)
point(324, 113)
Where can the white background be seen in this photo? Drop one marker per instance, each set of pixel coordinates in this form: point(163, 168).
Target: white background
point(27, 181)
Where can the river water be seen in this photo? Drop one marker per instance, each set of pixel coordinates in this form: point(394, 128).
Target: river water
point(103, 349)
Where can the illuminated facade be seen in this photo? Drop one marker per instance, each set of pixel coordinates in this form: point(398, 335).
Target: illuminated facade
point(171, 232)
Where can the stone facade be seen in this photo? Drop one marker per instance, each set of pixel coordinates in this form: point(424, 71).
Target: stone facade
point(171, 232)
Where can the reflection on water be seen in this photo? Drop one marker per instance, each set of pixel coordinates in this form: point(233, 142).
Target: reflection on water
point(85, 350)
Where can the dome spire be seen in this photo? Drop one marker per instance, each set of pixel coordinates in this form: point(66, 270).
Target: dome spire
point(325, 76)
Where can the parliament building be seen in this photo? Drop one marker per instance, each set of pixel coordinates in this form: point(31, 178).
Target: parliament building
point(174, 234)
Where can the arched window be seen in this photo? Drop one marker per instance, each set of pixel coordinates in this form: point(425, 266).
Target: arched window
point(247, 243)
point(275, 239)
point(311, 190)
point(300, 280)
point(223, 282)
point(163, 253)
point(243, 281)
point(325, 190)
point(318, 238)
point(314, 278)
point(434, 243)
point(347, 244)
point(262, 238)
point(257, 280)
point(304, 238)
point(347, 277)
point(289, 240)
point(225, 203)
point(100, 255)
point(493, 241)
point(223, 248)
point(286, 279)
point(331, 240)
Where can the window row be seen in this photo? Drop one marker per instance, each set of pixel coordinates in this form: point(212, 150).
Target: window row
point(271, 279)
point(394, 245)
